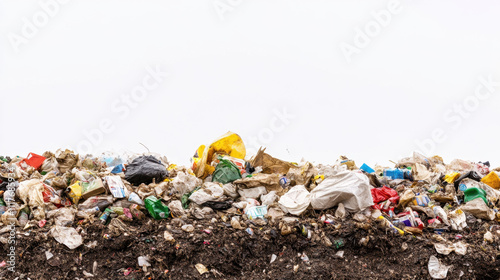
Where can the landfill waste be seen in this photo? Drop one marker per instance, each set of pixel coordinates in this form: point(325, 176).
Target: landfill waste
point(139, 216)
point(445, 249)
point(145, 169)
point(437, 270)
point(347, 187)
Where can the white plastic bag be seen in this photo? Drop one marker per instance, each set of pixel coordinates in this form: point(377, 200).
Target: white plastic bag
point(437, 270)
point(209, 192)
point(30, 192)
point(184, 183)
point(445, 249)
point(270, 198)
point(67, 236)
point(296, 200)
point(350, 188)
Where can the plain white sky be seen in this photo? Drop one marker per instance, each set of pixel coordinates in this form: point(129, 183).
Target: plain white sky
point(65, 68)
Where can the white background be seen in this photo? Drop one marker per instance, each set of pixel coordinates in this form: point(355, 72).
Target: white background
point(232, 73)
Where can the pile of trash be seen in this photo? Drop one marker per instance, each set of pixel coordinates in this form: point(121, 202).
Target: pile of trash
point(64, 193)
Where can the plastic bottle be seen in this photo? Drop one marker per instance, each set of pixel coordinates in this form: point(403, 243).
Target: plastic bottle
point(156, 208)
point(105, 215)
point(135, 199)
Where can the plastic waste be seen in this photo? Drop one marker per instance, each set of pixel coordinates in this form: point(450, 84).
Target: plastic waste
point(209, 192)
point(67, 236)
point(397, 173)
point(184, 183)
point(421, 200)
point(457, 219)
point(175, 207)
point(296, 200)
point(239, 163)
point(34, 160)
point(226, 172)
point(441, 214)
point(256, 212)
point(348, 187)
point(471, 175)
point(437, 270)
point(384, 193)
point(301, 175)
point(105, 216)
point(145, 169)
point(133, 197)
point(66, 160)
point(479, 209)
point(473, 193)
point(143, 261)
point(367, 168)
point(230, 190)
point(284, 182)
point(229, 144)
point(269, 199)
point(270, 181)
point(116, 186)
point(62, 216)
point(253, 192)
point(75, 192)
point(101, 202)
point(386, 223)
point(156, 208)
point(450, 178)
point(445, 249)
point(492, 180)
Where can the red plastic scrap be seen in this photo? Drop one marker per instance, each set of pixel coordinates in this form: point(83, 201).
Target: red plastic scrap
point(34, 160)
point(385, 193)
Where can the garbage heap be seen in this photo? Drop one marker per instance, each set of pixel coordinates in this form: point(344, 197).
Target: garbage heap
point(65, 192)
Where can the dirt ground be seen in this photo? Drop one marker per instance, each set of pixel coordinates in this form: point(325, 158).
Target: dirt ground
point(369, 252)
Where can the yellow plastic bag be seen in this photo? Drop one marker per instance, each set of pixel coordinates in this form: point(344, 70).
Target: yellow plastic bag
point(492, 180)
point(75, 191)
point(229, 144)
point(450, 178)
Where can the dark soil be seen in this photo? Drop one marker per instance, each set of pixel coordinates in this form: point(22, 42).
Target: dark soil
point(234, 254)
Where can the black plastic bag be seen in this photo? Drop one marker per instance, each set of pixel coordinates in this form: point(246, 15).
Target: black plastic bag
point(144, 169)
